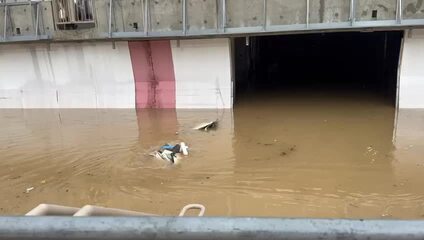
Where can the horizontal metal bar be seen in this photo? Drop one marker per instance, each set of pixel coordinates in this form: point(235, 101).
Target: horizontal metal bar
point(380, 23)
point(242, 31)
point(19, 3)
point(27, 38)
point(75, 22)
point(205, 228)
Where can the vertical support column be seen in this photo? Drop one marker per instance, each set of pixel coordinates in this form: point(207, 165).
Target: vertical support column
point(399, 12)
point(37, 18)
point(224, 15)
point(146, 17)
point(352, 12)
point(5, 23)
point(265, 14)
point(110, 18)
point(307, 13)
point(184, 17)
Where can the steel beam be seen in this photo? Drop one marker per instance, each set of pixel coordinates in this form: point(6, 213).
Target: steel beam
point(205, 228)
point(352, 12)
point(19, 3)
point(265, 17)
point(110, 18)
point(37, 18)
point(224, 15)
point(146, 17)
point(399, 11)
point(5, 23)
point(251, 31)
point(307, 13)
point(184, 6)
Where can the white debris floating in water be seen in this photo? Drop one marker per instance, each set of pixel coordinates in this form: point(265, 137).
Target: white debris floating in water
point(207, 125)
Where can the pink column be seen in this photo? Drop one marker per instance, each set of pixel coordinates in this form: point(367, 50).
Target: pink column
point(153, 73)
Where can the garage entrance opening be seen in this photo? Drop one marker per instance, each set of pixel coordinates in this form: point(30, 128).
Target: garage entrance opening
point(325, 63)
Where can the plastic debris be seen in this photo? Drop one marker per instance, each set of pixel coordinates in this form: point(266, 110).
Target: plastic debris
point(184, 148)
point(29, 189)
point(171, 153)
point(207, 126)
point(167, 147)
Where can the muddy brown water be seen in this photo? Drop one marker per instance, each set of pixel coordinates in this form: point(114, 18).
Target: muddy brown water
point(314, 156)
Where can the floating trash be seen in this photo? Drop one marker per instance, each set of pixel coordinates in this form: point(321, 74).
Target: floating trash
point(207, 126)
point(171, 153)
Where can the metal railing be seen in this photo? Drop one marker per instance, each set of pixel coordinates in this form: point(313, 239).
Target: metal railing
point(171, 228)
point(35, 16)
point(70, 11)
point(83, 11)
point(69, 14)
point(223, 29)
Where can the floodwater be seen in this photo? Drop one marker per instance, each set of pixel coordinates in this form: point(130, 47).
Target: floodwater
point(311, 156)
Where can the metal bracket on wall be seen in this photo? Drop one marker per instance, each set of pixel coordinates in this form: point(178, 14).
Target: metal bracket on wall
point(35, 22)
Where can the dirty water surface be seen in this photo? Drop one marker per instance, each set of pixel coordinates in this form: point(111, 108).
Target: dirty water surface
point(319, 157)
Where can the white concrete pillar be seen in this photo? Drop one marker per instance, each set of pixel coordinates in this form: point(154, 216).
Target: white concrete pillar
point(411, 85)
point(66, 75)
point(202, 73)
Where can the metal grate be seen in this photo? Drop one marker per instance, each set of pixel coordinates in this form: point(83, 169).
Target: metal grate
point(74, 11)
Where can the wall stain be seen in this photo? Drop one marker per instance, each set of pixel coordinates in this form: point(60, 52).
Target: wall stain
point(49, 58)
point(153, 82)
point(36, 64)
point(386, 9)
point(321, 10)
point(414, 8)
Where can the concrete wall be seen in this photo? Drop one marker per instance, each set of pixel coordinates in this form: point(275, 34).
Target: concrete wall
point(143, 74)
point(413, 9)
point(202, 14)
point(242, 13)
point(68, 75)
point(329, 11)
point(411, 93)
point(385, 10)
point(202, 73)
point(285, 12)
point(128, 16)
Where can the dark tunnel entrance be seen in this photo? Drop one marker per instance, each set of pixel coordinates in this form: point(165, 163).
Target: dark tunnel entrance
point(331, 63)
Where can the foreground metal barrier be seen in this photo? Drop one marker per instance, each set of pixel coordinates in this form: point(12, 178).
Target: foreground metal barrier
point(204, 228)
